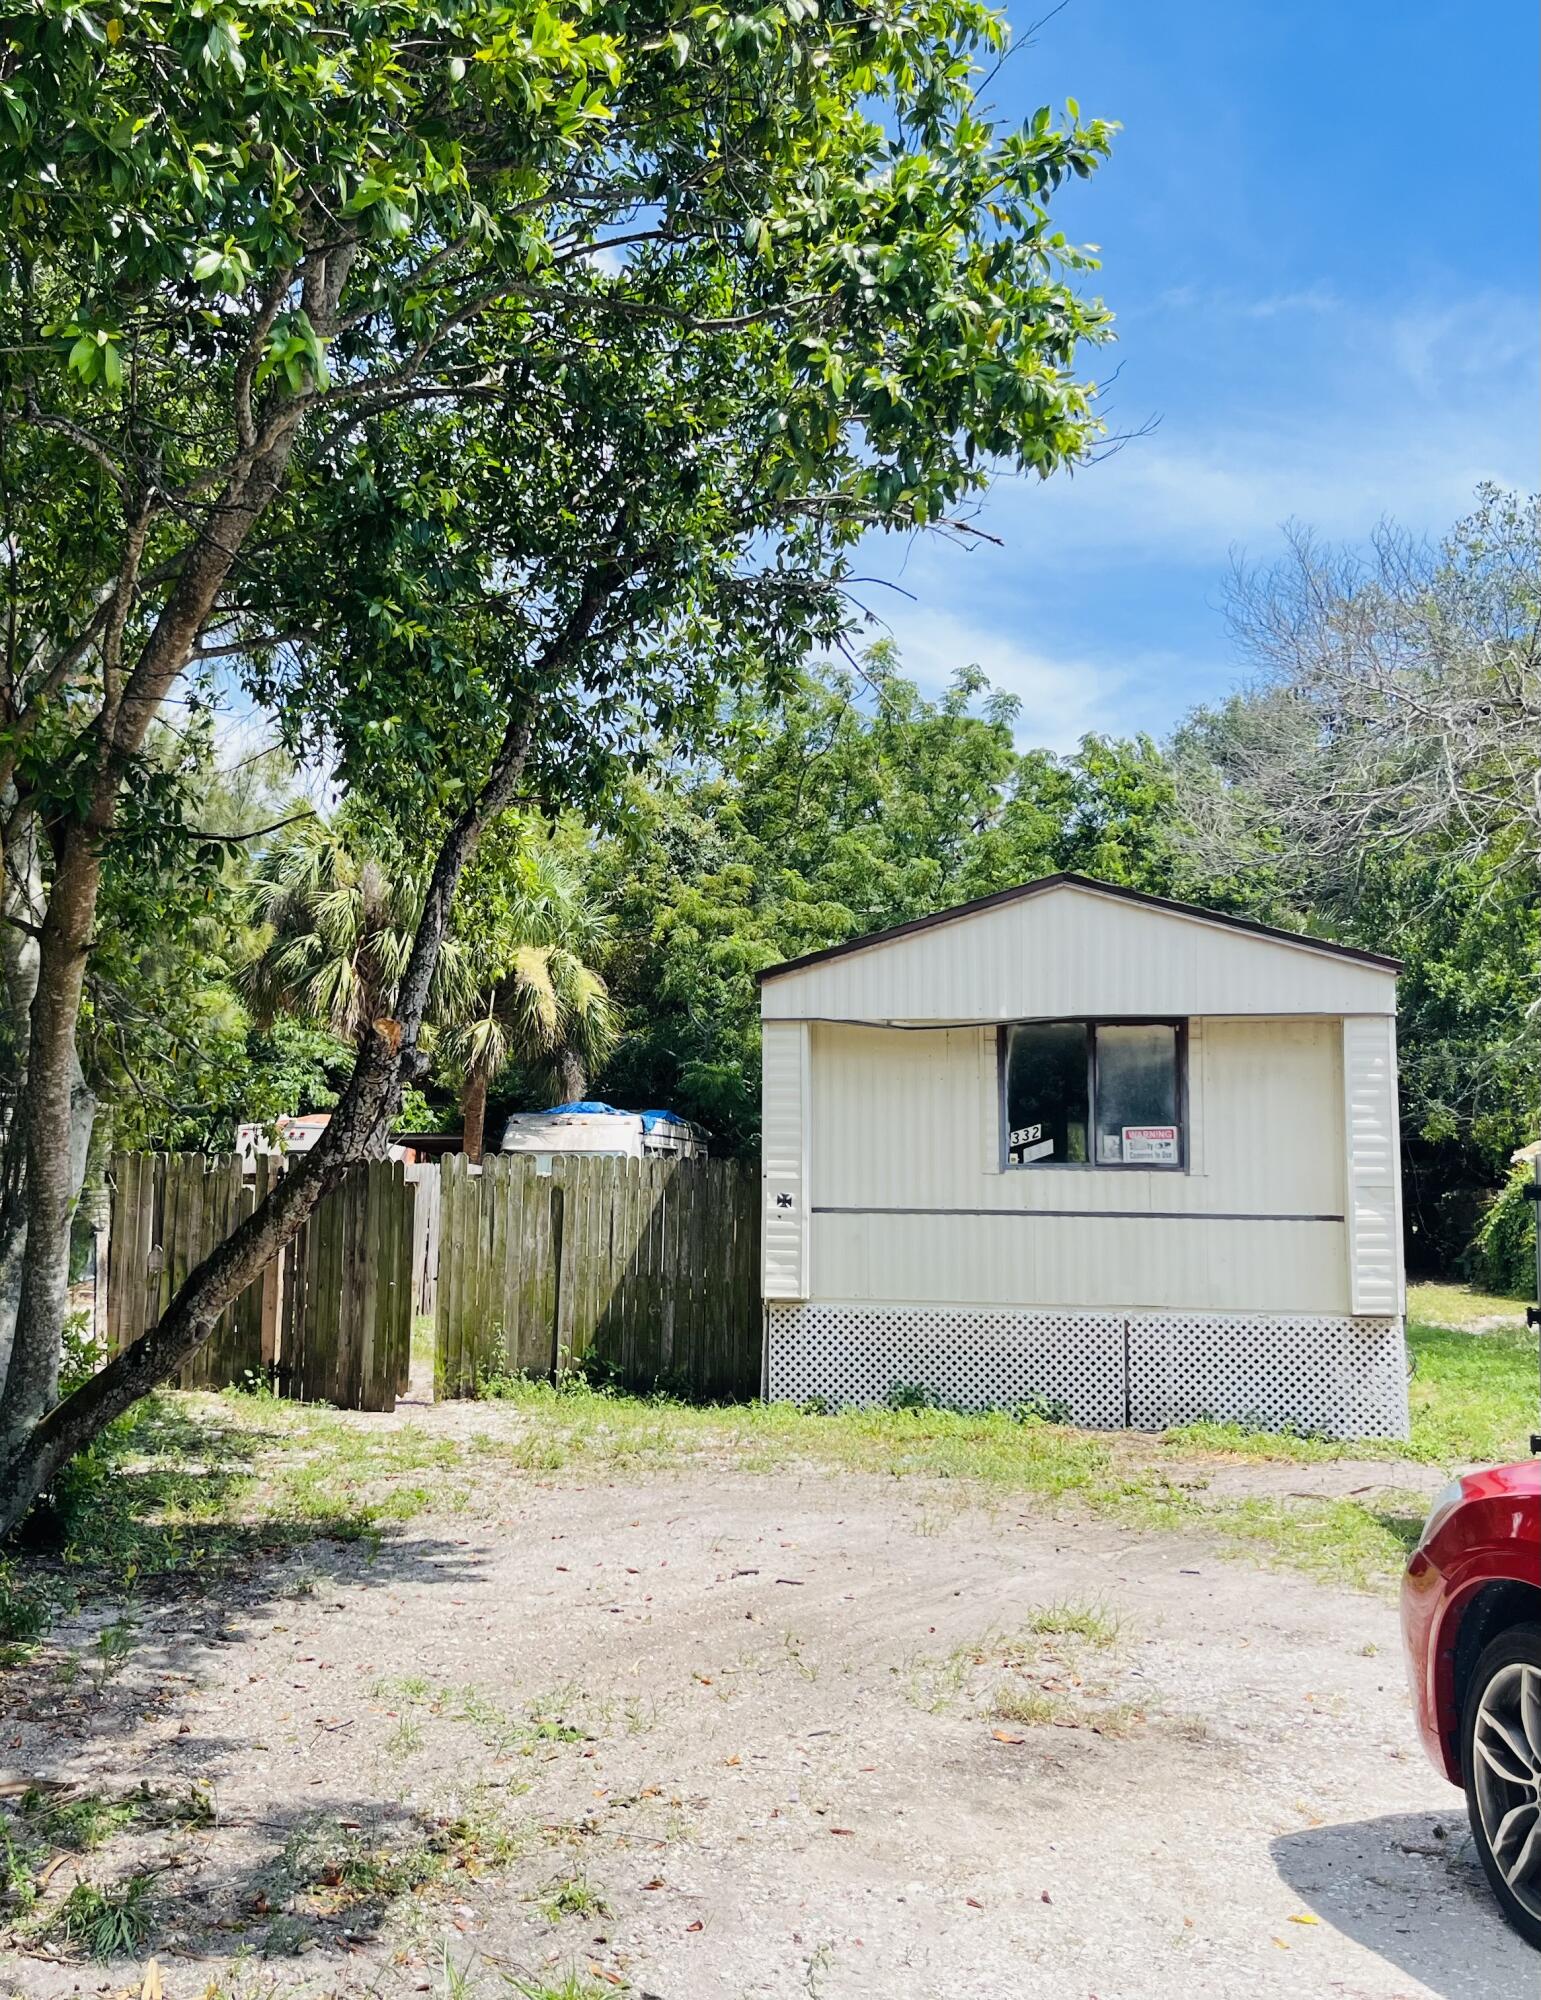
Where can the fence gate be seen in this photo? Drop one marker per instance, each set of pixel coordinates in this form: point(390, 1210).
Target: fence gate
point(329, 1321)
point(650, 1267)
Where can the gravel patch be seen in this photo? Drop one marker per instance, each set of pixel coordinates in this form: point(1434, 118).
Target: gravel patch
point(770, 1727)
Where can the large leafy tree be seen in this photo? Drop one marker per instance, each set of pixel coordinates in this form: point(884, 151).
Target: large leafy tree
point(853, 803)
point(595, 337)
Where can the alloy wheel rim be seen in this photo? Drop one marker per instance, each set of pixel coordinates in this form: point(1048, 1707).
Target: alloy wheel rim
point(1506, 1751)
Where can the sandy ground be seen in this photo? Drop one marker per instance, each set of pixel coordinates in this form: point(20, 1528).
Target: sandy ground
point(755, 1717)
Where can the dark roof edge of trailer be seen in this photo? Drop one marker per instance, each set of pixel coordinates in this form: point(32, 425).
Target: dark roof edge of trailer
point(1070, 881)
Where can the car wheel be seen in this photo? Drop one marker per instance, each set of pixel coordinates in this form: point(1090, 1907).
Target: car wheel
point(1501, 1757)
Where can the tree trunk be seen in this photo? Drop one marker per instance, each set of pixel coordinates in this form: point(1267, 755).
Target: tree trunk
point(21, 911)
point(572, 1080)
point(473, 1115)
point(49, 1116)
point(49, 1102)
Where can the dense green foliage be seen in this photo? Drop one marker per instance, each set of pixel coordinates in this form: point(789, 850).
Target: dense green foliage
point(854, 802)
point(1505, 1250)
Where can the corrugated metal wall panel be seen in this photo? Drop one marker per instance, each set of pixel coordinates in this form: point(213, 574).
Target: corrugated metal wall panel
point(1071, 951)
point(1372, 1165)
point(784, 1092)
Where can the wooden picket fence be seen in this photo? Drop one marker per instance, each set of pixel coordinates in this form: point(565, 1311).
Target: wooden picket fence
point(650, 1268)
point(328, 1321)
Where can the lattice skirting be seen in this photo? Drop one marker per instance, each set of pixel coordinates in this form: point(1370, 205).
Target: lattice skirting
point(1334, 1377)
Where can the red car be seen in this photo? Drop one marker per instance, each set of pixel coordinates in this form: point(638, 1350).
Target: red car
point(1471, 1619)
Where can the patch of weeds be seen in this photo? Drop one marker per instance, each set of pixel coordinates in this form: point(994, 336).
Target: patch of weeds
point(543, 1720)
point(24, 1610)
point(575, 1896)
point(365, 1872)
point(89, 1820)
point(571, 1986)
point(187, 1810)
point(934, 1685)
point(105, 1923)
point(808, 1669)
point(80, 1824)
point(342, 1868)
point(455, 1980)
point(19, 1865)
point(1095, 1624)
point(1038, 1708)
point(405, 1739)
point(1341, 1541)
point(546, 1721)
point(114, 1643)
point(285, 1937)
point(480, 1838)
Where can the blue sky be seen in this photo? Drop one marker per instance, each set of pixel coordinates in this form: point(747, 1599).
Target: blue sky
point(1318, 234)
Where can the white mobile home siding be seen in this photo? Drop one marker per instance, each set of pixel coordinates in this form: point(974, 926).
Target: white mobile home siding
point(1073, 951)
point(901, 1207)
point(784, 1159)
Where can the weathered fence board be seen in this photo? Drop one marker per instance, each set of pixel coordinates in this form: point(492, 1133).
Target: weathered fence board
point(425, 1178)
point(650, 1267)
point(330, 1320)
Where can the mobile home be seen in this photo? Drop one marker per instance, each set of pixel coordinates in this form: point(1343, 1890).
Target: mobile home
point(1085, 1150)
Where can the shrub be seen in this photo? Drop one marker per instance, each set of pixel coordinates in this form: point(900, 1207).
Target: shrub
point(1503, 1254)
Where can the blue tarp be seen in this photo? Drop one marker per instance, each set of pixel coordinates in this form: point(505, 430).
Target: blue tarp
point(591, 1107)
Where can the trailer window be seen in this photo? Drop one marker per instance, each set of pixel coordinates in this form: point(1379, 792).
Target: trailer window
point(1094, 1093)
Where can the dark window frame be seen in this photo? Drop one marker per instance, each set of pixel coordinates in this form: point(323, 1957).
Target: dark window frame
point(1092, 1022)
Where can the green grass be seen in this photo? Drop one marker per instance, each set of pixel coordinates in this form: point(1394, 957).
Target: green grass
point(1092, 1623)
point(1474, 1396)
point(575, 1896)
point(1461, 1305)
point(365, 1873)
point(571, 1986)
point(1040, 1708)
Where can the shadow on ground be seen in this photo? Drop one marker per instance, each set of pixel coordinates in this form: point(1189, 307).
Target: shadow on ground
point(1409, 1887)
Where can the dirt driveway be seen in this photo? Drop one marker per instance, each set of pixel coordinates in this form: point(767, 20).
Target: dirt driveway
point(705, 1736)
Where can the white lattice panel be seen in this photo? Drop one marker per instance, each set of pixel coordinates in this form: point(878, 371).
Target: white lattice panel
point(1342, 1378)
point(973, 1359)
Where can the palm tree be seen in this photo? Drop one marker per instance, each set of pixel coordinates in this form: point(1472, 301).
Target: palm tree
point(337, 918)
point(538, 1002)
point(513, 984)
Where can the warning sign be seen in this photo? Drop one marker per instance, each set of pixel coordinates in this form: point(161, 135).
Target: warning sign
point(1151, 1145)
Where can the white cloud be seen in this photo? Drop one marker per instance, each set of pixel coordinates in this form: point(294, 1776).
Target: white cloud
point(1400, 411)
point(1180, 493)
point(1062, 699)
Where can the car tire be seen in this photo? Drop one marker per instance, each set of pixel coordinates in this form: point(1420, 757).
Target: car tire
point(1501, 1760)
